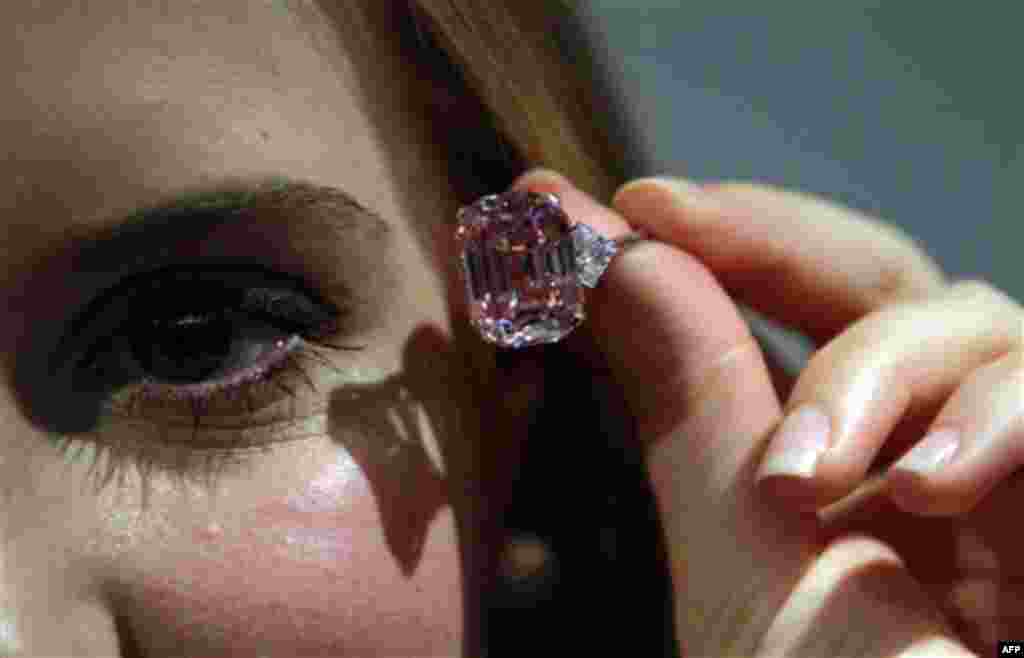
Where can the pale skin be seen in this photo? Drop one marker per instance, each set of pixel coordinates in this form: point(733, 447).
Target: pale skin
point(340, 542)
point(912, 563)
point(308, 547)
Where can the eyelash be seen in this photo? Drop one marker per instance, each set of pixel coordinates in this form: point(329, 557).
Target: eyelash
point(236, 388)
point(303, 330)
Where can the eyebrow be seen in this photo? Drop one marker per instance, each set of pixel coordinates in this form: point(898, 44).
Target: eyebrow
point(141, 237)
point(275, 209)
point(235, 220)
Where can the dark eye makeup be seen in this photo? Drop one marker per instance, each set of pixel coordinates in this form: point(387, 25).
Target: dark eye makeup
point(195, 324)
point(201, 339)
point(201, 348)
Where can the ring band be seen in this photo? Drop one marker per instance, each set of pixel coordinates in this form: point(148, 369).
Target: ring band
point(525, 266)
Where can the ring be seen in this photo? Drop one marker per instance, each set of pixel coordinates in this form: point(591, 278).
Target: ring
point(525, 265)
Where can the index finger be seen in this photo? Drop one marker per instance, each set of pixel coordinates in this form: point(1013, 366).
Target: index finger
point(799, 260)
point(667, 326)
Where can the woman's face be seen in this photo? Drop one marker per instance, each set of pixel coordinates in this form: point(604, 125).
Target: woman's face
point(344, 535)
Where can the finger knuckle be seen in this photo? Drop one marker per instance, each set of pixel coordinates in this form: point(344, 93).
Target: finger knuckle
point(863, 350)
point(831, 367)
point(918, 272)
point(893, 280)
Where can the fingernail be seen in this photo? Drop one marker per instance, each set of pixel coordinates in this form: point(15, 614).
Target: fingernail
point(540, 174)
point(698, 205)
point(801, 439)
point(681, 186)
point(678, 187)
point(931, 453)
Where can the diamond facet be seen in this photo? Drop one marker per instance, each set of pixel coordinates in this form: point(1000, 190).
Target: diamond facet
point(593, 253)
point(519, 265)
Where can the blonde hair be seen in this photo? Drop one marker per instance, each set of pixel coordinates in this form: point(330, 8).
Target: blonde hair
point(499, 83)
point(547, 99)
point(504, 90)
point(543, 101)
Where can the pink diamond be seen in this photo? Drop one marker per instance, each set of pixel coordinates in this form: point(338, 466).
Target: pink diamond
point(519, 268)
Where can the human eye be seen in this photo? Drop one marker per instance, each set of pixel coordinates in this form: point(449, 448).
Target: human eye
point(201, 361)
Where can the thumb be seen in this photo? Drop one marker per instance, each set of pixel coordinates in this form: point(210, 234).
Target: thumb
point(697, 384)
point(693, 377)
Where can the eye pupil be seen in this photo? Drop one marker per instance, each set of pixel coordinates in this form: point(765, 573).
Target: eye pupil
point(184, 350)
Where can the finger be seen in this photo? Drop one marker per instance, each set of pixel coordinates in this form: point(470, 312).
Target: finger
point(799, 260)
point(674, 326)
point(976, 442)
point(694, 379)
point(700, 393)
point(854, 391)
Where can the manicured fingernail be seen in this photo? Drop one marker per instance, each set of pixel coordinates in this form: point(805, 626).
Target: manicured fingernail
point(931, 453)
point(801, 439)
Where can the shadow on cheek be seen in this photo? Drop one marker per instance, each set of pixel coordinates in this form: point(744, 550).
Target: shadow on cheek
point(432, 436)
point(380, 426)
point(128, 643)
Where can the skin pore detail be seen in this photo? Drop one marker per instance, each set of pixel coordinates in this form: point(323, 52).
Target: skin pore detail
point(352, 535)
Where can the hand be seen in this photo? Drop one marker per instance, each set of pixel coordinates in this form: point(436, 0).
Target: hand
point(928, 567)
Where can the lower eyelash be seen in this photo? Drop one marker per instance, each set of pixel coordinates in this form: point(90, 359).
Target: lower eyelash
point(198, 459)
point(201, 394)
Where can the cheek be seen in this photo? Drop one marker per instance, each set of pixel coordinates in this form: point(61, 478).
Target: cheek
point(320, 573)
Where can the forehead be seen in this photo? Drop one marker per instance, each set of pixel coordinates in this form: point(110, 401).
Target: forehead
point(111, 110)
point(167, 89)
point(114, 103)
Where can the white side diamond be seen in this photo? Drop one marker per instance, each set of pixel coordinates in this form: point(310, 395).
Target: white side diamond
point(593, 253)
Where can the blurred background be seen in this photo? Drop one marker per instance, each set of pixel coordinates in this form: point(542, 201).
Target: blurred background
point(909, 111)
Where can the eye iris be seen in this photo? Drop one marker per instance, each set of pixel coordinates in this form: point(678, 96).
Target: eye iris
point(185, 350)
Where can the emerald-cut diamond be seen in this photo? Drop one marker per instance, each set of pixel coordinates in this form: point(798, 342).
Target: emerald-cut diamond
point(519, 265)
point(525, 267)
